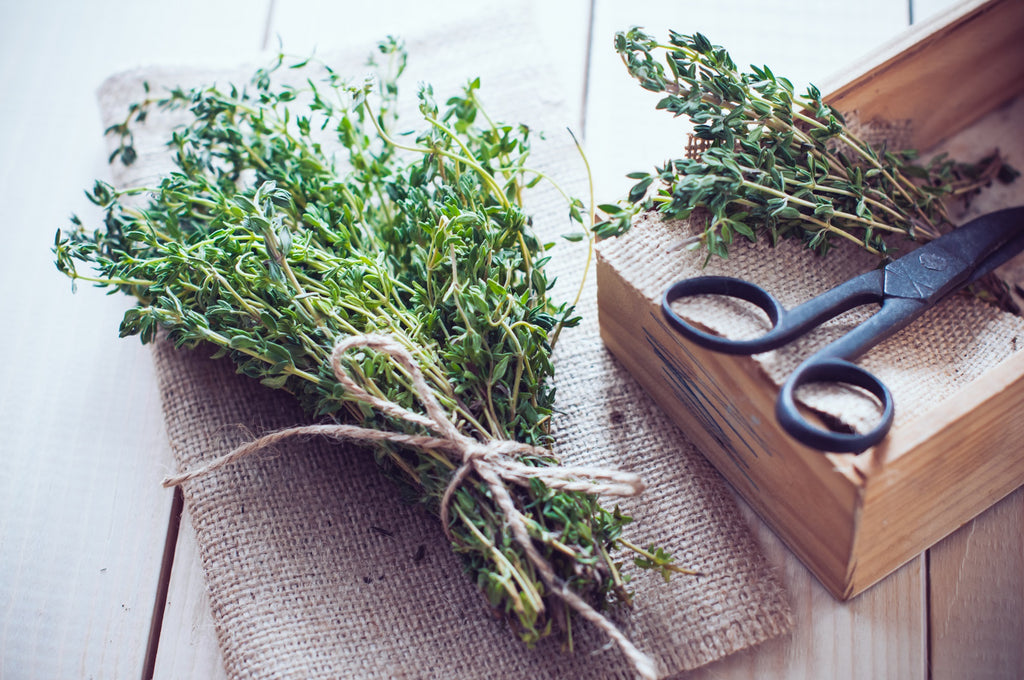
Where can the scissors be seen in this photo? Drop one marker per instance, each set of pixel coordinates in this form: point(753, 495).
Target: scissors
point(905, 287)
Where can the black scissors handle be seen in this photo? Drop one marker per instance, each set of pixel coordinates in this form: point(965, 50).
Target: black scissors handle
point(834, 371)
point(787, 324)
point(829, 365)
point(905, 287)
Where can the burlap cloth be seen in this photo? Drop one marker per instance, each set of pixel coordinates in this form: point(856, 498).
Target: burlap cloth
point(317, 569)
point(924, 365)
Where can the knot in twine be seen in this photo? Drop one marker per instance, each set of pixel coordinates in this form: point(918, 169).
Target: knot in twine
point(494, 461)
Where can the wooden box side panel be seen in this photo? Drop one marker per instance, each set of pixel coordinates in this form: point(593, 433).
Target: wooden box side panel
point(949, 466)
point(726, 405)
point(956, 461)
point(943, 76)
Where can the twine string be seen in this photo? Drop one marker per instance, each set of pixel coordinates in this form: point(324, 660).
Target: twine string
point(495, 462)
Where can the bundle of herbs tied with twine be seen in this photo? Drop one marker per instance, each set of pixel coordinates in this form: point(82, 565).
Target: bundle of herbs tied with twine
point(397, 292)
point(770, 163)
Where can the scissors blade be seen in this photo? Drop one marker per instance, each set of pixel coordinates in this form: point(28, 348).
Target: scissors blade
point(960, 257)
point(1007, 252)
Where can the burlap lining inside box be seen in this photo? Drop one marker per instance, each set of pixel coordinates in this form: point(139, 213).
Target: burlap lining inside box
point(316, 569)
point(930, 361)
point(937, 356)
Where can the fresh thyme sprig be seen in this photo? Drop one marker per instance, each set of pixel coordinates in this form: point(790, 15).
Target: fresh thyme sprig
point(263, 244)
point(779, 163)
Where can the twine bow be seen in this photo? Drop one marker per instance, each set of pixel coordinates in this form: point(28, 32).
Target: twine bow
point(494, 462)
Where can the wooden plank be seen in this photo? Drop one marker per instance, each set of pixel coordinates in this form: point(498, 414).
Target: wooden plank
point(188, 642)
point(976, 597)
point(876, 635)
point(82, 515)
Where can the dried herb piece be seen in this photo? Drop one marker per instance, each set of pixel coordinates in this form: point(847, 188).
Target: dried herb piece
point(779, 163)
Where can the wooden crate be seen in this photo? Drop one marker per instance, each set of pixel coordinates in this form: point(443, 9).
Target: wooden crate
point(853, 519)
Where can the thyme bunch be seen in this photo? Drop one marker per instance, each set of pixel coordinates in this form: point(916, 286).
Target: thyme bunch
point(264, 243)
point(779, 163)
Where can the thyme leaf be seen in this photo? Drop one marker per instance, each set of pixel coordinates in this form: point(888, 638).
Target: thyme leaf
point(295, 216)
point(779, 164)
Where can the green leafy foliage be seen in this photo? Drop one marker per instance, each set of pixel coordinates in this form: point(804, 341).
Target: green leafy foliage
point(264, 243)
point(778, 163)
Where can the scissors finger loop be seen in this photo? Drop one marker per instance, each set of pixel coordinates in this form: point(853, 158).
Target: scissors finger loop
point(729, 287)
point(832, 371)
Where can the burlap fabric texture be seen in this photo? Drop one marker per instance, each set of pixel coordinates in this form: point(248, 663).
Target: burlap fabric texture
point(314, 565)
point(927, 363)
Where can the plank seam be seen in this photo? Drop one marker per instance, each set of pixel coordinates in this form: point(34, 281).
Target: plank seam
point(926, 585)
point(588, 57)
point(163, 585)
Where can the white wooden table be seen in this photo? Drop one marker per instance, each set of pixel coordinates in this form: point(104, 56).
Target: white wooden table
point(85, 575)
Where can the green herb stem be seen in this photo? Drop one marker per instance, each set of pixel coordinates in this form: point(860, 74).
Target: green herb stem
point(754, 186)
point(484, 175)
point(273, 244)
point(820, 179)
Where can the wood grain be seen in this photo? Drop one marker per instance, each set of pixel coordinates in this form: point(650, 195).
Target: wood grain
point(957, 67)
point(82, 514)
point(876, 635)
point(976, 597)
point(188, 641)
point(82, 519)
